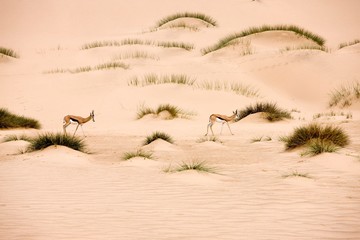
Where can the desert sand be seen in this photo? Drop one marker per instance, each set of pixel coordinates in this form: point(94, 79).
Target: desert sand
point(59, 193)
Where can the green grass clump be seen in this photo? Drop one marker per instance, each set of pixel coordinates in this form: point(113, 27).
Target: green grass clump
point(51, 139)
point(229, 40)
point(316, 135)
point(15, 137)
point(10, 120)
point(347, 44)
point(318, 146)
point(154, 79)
point(8, 52)
point(273, 113)
point(208, 20)
point(345, 95)
point(158, 135)
point(139, 153)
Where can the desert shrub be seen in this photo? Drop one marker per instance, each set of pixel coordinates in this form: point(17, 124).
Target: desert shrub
point(273, 113)
point(138, 153)
point(10, 120)
point(8, 52)
point(322, 134)
point(158, 135)
point(210, 21)
point(318, 146)
point(229, 40)
point(51, 139)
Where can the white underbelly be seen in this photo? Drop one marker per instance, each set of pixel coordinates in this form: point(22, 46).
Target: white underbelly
point(219, 120)
point(73, 122)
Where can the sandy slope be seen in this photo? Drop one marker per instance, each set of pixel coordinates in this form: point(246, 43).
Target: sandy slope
point(59, 193)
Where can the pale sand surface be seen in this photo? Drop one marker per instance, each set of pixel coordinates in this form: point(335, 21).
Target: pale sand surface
point(58, 193)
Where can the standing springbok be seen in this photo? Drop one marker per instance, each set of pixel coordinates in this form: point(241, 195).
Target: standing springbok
point(222, 119)
point(71, 119)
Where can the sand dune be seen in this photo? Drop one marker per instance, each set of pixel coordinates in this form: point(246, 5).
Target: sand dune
point(79, 56)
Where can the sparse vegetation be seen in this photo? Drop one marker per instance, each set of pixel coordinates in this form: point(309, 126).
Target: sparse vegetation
point(296, 174)
point(235, 87)
point(104, 66)
point(139, 153)
point(158, 135)
point(96, 44)
point(209, 139)
point(173, 111)
point(273, 113)
point(208, 20)
point(317, 48)
point(192, 165)
point(319, 138)
point(347, 44)
point(345, 95)
point(154, 79)
point(8, 52)
point(229, 40)
point(333, 114)
point(15, 137)
point(136, 54)
point(261, 139)
point(10, 120)
point(51, 139)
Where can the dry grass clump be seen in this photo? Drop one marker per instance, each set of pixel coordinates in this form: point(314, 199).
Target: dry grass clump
point(209, 139)
point(173, 111)
point(154, 79)
point(273, 113)
point(53, 139)
point(235, 87)
point(15, 137)
point(296, 174)
point(345, 95)
point(192, 165)
point(317, 138)
point(317, 48)
point(10, 120)
point(8, 52)
point(103, 66)
point(347, 44)
point(208, 20)
point(169, 44)
point(136, 55)
point(139, 153)
point(261, 139)
point(229, 40)
point(158, 135)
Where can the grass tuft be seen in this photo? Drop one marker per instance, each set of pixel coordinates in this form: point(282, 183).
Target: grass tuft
point(318, 146)
point(345, 95)
point(173, 111)
point(296, 174)
point(15, 137)
point(273, 113)
point(10, 120)
point(229, 40)
point(235, 87)
point(158, 135)
point(316, 135)
point(347, 44)
point(154, 79)
point(8, 52)
point(51, 139)
point(97, 44)
point(138, 153)
point(209, 139)
point(192, 165)
point(210, 21)
point(104, 66)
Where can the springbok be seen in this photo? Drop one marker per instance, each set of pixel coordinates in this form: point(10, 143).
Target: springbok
point(222, 119)
point(71, 119)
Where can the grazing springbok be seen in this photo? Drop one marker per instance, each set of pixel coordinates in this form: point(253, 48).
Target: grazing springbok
point(222, 119)
point(71, 119)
